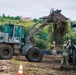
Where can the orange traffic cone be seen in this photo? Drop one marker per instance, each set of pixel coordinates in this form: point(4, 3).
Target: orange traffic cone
point(20, 71)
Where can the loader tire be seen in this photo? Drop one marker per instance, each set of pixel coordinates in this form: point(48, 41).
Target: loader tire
point(6, 52)
point(26, 57)
point(34, 55)
point(1, 47)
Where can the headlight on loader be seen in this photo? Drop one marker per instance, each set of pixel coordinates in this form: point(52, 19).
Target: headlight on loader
point(6, 37)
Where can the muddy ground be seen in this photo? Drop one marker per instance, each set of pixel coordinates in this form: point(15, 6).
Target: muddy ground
point(47, 66)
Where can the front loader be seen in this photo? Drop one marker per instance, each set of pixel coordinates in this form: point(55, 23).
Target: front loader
point(13, 40)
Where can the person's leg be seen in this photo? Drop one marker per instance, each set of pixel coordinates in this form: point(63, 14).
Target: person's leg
point(62, 62)
point(54, 52)
point(66, 61)
point(53, 55)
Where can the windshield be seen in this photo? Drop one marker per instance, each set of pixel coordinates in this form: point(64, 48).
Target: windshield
point(19, 32)
point(8, 29)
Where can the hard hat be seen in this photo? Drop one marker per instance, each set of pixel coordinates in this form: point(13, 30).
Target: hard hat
point(53, 42)
point(69, 40)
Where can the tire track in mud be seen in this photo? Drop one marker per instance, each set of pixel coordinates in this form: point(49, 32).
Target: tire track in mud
point(5, 67)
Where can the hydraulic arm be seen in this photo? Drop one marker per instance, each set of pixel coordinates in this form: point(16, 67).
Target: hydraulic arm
point(54, 16)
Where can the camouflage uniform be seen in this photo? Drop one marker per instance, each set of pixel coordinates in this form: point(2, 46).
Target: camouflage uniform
point(53, 49)
point(65, 56)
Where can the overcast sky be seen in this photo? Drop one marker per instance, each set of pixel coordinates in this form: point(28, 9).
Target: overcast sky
point(37, 8)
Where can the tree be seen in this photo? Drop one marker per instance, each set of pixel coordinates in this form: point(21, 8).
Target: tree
point(35, 20)
point(3, 15)
point(17, 17)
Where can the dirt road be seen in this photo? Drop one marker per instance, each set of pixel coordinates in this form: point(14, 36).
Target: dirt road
point(5, 67)
point(48, 66)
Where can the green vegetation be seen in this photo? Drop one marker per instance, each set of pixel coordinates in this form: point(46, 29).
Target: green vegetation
point(71, 34)
point(44, 38)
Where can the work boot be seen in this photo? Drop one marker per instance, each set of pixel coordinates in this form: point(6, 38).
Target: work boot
point(61, 67)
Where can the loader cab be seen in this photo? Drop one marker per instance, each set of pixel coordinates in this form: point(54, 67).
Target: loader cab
point(15, 33)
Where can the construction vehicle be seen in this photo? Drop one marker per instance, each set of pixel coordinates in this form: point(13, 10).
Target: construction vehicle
point(13, 39)
point(72, 47)
point(72, 54)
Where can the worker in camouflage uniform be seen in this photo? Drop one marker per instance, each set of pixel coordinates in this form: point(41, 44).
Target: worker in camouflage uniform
point(65, 56)
point(53, 49)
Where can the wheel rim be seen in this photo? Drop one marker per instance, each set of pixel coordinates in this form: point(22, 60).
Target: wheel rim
point(6, 52)
point(35, 55)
